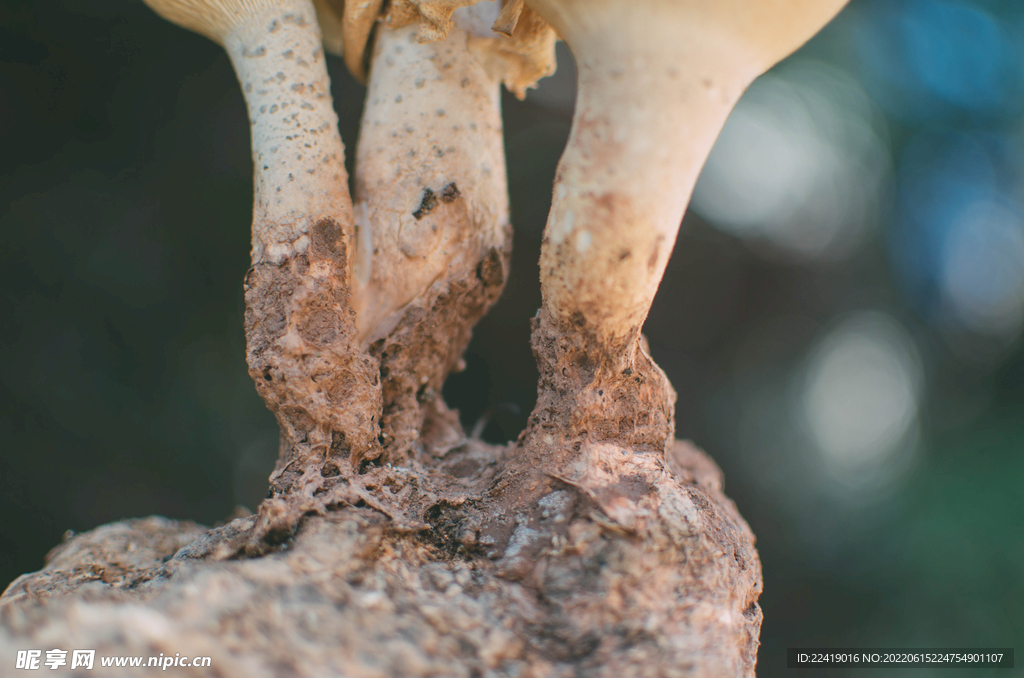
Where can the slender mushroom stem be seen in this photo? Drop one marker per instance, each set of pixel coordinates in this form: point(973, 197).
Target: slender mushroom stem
point(300, 322)
point(432, 213)
point(657, 80)
point(298, 155)
point(625, 178)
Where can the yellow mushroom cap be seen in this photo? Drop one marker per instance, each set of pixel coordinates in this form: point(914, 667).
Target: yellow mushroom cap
point(212, 18)
point(769, 30)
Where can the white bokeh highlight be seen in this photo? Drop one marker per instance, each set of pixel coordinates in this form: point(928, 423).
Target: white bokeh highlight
point(801, 165)
point(860, 397)
point(982, 269)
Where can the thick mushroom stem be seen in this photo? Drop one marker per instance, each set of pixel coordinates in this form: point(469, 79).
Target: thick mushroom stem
point(298, 155)
point(657, 80)
point(432, 212)
point(300, 322)
point(640, 135)
point(300, 328)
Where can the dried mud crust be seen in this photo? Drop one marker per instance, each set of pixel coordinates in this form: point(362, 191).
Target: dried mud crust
point(604, 410)
point(345, 412)
point(593, 391)
point(302, 353)
point(587, 585)
point(425, 346)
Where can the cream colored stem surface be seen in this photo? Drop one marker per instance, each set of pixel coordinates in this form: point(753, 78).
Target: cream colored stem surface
point(643, 127)
point(298, 156)
point(431, 197)
point(657, 80)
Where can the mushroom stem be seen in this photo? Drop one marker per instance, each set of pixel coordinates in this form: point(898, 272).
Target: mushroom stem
point(300, 326)
point(645, 121)
point(432, 214)
point(298, 155)
point(300, 321)
point(657, 80)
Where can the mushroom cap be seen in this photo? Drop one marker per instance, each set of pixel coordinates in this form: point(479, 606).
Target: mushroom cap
point(212, 18)
point(769, 30)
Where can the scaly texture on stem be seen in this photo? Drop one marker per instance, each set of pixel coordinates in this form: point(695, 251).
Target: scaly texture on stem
point(302, 344)
point(592, 550)
point(345, 334)
point(432, 212)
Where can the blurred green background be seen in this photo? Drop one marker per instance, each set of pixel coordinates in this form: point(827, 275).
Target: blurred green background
point(841, 318)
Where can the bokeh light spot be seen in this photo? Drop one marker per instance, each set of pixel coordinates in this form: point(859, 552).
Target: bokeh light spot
point(799, 168)
point(983, 268)
point(958, 245)
point(860, 397)
point(928, 59)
